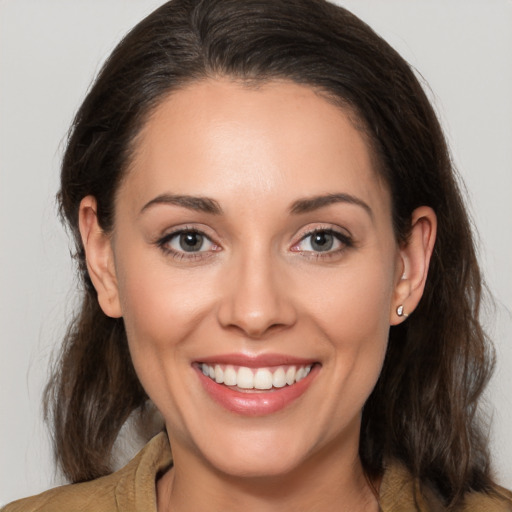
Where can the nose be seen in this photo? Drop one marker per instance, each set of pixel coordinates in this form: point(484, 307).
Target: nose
point(256, 298)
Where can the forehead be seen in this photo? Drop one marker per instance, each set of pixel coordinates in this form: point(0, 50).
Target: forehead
point(273, 142)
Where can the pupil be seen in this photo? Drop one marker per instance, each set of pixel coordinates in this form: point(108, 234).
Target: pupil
point(190, 242)
point(322, 241)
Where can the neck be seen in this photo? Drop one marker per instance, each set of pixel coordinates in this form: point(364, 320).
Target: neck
point(332, 480)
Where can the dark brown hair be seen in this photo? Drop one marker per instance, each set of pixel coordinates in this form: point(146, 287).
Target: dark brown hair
point(423, 410)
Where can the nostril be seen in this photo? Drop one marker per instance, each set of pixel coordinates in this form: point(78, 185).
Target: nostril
point(251, 318)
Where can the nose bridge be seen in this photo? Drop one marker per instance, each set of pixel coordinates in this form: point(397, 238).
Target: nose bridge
point(255, 298)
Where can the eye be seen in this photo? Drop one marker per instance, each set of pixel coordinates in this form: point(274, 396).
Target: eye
point(187, 243)
point(323, 241)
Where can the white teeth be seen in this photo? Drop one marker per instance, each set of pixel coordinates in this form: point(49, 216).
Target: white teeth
point(245, 378)
point(279, 378)
point(219, 374)
point(261, 378)
point(301, 373)
point(290, 375)
point(229, 376)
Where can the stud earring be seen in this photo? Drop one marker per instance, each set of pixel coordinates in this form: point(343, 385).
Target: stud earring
point(400, 311)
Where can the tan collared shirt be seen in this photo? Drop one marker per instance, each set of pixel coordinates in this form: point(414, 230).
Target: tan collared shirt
point(133, 488)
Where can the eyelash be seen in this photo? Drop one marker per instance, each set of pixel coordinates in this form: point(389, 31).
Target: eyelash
point(163, 243)
point(345, 240)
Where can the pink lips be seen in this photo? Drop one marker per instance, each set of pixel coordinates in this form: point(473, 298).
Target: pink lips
point(255, 403)
point(258, 361)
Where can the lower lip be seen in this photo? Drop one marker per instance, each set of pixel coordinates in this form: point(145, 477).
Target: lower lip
point(253, 403)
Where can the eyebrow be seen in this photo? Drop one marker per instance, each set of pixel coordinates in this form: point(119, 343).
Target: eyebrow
point(200, 204)
point(208, 205)
point(314, 203)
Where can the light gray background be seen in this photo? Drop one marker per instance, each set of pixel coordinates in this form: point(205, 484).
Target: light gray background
point(49, 51)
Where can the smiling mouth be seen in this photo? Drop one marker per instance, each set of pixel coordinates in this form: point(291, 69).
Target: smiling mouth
point(256, 386)
point(245, 379)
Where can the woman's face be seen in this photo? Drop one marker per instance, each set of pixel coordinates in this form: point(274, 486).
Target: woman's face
point(253, 242)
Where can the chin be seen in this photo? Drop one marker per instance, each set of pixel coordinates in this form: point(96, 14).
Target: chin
point(258, 466)
point(255, 454)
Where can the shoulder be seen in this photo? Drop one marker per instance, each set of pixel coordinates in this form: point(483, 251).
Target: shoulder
point(498, 500)
point(401, 492)
point(129, 489)
point(95, 495)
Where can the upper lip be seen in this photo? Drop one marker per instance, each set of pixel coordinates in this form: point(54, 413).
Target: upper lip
point(256, 360)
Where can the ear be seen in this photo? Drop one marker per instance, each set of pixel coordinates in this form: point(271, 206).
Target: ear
point(414, 260)
point(99, 257)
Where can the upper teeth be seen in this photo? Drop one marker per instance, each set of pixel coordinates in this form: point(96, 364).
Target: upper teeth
point(255, 378)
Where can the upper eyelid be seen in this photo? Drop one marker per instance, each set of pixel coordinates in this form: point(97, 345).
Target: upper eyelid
point(163, 243)
point(343, 232)
point(340, 237)
point(164, 240)
point(173, 234)
point(298, 237)
point(184, 229)
point(345, 239)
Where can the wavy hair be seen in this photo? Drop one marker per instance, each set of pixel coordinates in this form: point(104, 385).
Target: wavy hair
point(423, 410)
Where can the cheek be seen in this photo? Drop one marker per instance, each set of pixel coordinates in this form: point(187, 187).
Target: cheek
point(157, 303)
point(352, 311)
point(161, 311)
point(354, 301)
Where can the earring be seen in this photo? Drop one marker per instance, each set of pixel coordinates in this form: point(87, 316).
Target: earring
point(400, 311)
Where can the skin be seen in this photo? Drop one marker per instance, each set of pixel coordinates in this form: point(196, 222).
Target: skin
point(258, 287)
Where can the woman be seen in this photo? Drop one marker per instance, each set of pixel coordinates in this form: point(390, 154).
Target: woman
point(258, 191)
